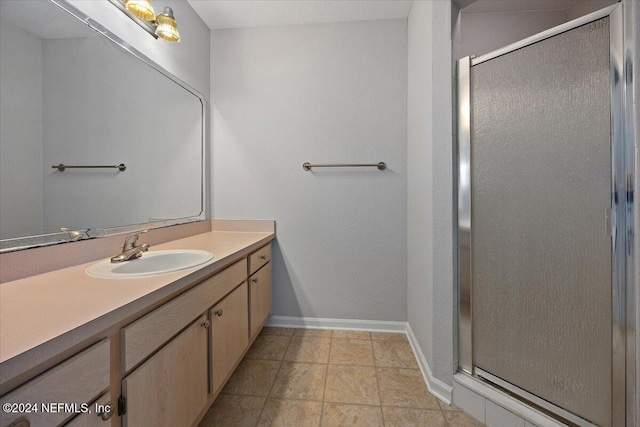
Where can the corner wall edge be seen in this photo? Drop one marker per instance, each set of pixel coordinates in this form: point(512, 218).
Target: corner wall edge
point(438, 388)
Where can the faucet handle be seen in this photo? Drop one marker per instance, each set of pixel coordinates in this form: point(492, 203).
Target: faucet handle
point(130, 241)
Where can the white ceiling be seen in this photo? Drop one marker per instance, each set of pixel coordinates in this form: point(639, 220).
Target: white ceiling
point(219, 14)
point(497, 6)
point(43, 19)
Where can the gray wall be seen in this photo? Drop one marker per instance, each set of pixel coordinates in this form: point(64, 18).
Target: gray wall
point(319, 93)
point(419, 177)
point(484, 32)
point(20, 132)
point(584, 7)
point(444, 279)
point(431, 280)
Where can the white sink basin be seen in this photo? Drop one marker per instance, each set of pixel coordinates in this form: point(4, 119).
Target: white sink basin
point(150, 264)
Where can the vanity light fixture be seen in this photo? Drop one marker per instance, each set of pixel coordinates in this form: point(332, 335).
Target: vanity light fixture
point(141, 8)
point(167, 26)
point(162, 25)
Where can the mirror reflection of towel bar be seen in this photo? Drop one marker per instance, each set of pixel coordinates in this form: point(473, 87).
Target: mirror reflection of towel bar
point(381, 166)
point(62, 167)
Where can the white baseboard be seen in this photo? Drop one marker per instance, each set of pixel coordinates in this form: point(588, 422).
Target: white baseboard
point(339, 324)
point(438, 388)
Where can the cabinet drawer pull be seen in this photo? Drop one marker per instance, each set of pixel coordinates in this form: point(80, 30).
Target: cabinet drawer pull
point(254, 280)
point(263, 257)
point(218, 312)
point(206, 324)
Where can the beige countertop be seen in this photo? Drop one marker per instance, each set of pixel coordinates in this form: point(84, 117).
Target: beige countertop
point(43, 315)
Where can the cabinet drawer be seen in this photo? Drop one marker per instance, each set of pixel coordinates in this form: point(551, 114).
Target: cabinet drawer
point(78, 380)
point(259, 258)
point(95, 418)
point(259, 298)
point(145, 335)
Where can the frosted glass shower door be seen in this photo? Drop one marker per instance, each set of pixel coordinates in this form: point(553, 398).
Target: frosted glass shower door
point(540, 198)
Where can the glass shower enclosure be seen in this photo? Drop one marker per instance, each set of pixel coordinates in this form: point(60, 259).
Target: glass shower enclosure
point(541, 219)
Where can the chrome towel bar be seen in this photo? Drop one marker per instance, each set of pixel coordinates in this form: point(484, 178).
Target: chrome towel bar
point(381, 166)
point(62, 167)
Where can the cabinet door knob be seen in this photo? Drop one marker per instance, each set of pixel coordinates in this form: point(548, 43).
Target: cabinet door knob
point(263, 257)
point(206, 324)
point(218, 312)
point(254, 280)
point(105, 415)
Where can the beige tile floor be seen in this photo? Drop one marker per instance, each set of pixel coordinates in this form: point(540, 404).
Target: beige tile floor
point(302, 377)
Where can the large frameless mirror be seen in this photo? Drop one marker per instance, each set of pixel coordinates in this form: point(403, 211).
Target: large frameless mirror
point(95, 138)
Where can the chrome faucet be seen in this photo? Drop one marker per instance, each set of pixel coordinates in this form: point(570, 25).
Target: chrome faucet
point(130, 250)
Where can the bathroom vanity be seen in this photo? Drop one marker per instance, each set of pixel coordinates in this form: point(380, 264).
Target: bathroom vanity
point(156, 350)
point(116, 156)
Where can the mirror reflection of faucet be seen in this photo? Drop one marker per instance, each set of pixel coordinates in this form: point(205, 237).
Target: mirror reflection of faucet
point(74, 235)
point(130, 251)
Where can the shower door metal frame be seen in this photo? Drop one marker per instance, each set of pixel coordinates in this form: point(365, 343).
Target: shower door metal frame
point(622, 226)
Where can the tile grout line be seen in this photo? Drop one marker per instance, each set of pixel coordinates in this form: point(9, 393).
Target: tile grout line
point(274, 381)
point(272, 397)
point(375, 368)
point(442, 413)
point(335, 364)
point(324, 389)
point(444, 417)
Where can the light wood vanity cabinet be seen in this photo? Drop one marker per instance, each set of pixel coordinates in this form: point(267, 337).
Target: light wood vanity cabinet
point(229, 334)
point(170, 389)
point(78, 380)
point(260, 298)
point(166, 367)
point(259, 289)
point(174, 386)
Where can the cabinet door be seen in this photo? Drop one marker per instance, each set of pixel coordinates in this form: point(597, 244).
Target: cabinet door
point(230, 334)
point(170, 389)
point(260, 298)
point(98, 416)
